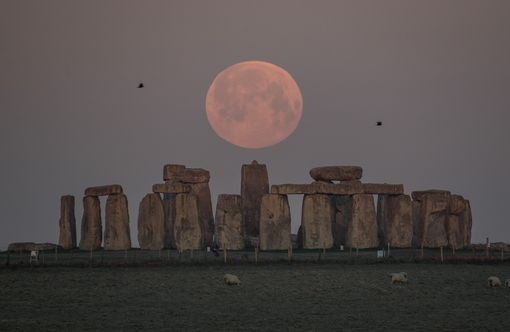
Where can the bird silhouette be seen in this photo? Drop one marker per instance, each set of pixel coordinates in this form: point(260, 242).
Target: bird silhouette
point(378, 123)
point(140, 86)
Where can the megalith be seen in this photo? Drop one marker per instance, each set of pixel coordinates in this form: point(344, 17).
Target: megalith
point(458, 225)
point(394, 219)
point(254, 184)
point(116, 233)
point(434, 211)
point(274, 222)
point(187, 228)
point(362, 229)
point(205, 212)
point(67, 223)
point(343, 217)
point(229, 223)
point(317, 218)
point(336, 173)
point(91, 228)
point(151, 227)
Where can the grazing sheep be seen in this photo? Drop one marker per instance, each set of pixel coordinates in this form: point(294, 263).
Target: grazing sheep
point(507, 282)
point(231, 279)
point(398, 278)
point(493, 282)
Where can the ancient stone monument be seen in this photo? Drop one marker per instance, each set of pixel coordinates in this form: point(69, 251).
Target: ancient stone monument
point(67, 223)
point(317, 218)
point(91, 228)
point(441, 219)
point(362, 229)
point(254, 185)
point(274, 222)
point(394, 219)
point(116, 233)
point(187, 227)
point(151, 223)
point(229, 223)
point(179, 179)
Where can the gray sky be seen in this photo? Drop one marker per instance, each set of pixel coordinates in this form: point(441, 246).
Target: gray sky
point(437, 73)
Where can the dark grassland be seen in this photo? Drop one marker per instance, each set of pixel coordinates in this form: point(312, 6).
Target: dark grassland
point(276, 297)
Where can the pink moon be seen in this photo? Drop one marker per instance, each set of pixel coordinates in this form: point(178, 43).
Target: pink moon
point(254, 104)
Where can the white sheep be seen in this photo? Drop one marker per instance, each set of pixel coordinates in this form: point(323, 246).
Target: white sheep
point(507, 282)
point(493, 281)
point(231, 279)
point(398, 278)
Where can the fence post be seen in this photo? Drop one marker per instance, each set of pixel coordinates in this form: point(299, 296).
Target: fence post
point(502, 254)
point(56, 253)
point(441, 248)
point(487, 246)
point(225, 253)
point(422, 253)
point(289, 253)
point(388, 249)
point(256, 254)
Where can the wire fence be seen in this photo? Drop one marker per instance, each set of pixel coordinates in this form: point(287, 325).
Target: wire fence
point(137, 257)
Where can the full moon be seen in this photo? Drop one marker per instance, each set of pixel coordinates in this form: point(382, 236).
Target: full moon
point(254, 104)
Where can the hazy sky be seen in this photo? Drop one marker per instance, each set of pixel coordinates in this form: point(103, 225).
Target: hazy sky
point(437, 73)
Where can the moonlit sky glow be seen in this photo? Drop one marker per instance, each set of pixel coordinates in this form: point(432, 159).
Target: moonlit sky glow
point(436, 73)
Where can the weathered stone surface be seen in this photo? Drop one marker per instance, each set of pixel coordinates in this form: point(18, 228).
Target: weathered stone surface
point(229, 222)
point(205, 213)
point(362, 229)
point(457, 204)
point(434, 214)
point(116, 232)
point(172, 171)
point(171, 188)
point(317, 218)
point(417, 231)
point(104, 190)
point(67, 223)
point(274, 222)
point(458, 225)
point(254, 185)
point(467, 223)
point(300, 237)
point(186, 175)
point(187, 229)
point(336, 173)
point(343, 217)
point(91, 228)
point(349, 188)
point(29, 246)
point(418, 195)
point(383, 188)
point(169, 211)
point(151, 226)
point(394, 218)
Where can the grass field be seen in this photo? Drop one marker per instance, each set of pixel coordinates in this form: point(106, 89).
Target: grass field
point(298, 296)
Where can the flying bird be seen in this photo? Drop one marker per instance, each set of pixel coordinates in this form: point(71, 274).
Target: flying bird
point(378, 123)
point(140, 85)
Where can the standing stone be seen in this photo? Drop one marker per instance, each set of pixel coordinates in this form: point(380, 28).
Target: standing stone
point(187, 228)
point(458, 225)
point(362, 230)
point(116, 232)
point(434, 206)
point(151, 227)
point(205, 213)
point(343, 217)
point(317, 218)
point(467, 223)
point(394, 218)
point(169, 219)
point(274, 222)
point(91, 228)
point(67, 223)
point(254, 184)
point(229, 223)
point(417, 232)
